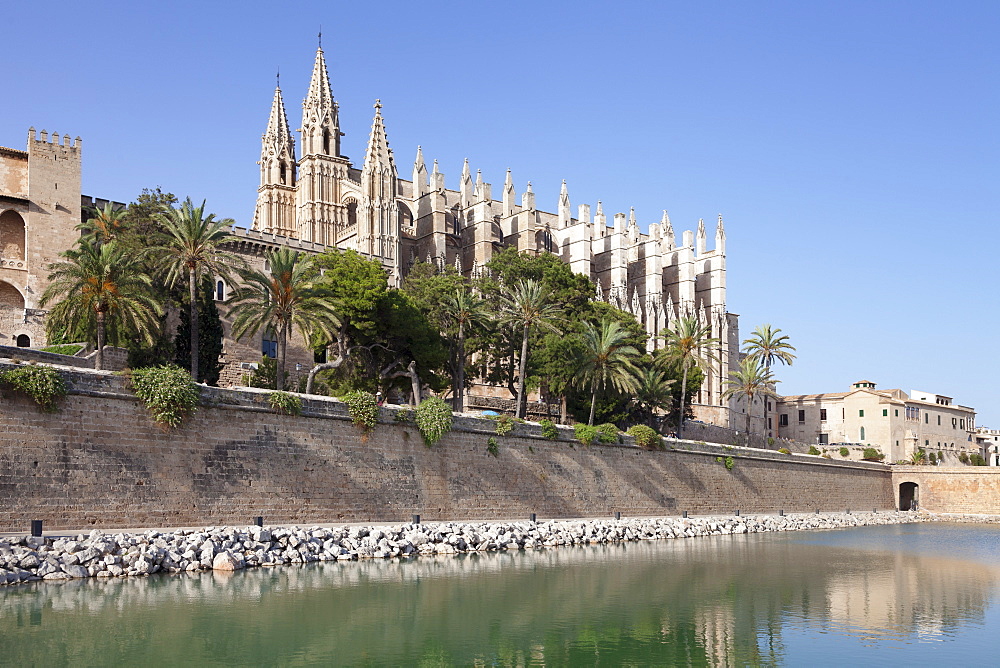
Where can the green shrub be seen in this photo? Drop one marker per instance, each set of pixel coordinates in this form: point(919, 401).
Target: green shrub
point(932, 457)
point(977, 459)
point(285, 403)
point(963, 457)
point(505, 424)
point(167, 391)
point(403, 415)
point(784, 451)
point(770, 440)
point(70, 349)
point(363, 408)
point(844, 452)
point(585, 433)
point(730, 463)
point(645, 437)
point(434, 419)
point(492, 446)
point(549, 429)
point(41, 383)
point(607, 433)
point(813, 450)
point(873, 455)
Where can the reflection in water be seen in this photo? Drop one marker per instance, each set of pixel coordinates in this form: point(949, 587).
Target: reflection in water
point(715, 601)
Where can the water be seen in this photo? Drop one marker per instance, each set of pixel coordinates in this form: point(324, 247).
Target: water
point(905, 594)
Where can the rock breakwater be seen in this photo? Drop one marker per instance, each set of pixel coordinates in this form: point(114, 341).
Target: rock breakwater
point(103, 555)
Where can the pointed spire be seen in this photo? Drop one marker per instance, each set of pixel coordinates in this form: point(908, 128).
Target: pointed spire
point(320, 114)
point(278, 130)
point(465, 185)
point(419, 174)
point(319, 84)
point(509, 196)
point(508, 183)
point(565, 216)
point(378, 152)
point(720, 230)
point(701, 227)
point(669, 238)
point(720, 237)
point(528, 198)
point(437, 179)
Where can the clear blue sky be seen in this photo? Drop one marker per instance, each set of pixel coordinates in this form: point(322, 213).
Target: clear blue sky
point(851, 146)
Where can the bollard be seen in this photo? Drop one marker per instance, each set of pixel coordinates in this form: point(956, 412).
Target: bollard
point(817, 511)
point(875, 510)
point(36, 528)
point(737, 512)
point(781, 513)
point(534, 517)
point(848, 511)
point(416, 519)
point(259, 520)
point(684, 514)
point(618, 516)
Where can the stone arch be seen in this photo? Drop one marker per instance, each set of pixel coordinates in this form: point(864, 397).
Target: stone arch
point(11, 236)
point(352, 210)
point(22, 341)
point(909, 495)
point(544, 241)
point(10, 296)
point(405, 216)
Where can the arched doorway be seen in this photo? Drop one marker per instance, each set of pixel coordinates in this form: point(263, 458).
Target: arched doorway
point(909, 495)
point(23, 341)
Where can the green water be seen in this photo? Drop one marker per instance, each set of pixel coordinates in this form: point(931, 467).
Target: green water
point(907, 594)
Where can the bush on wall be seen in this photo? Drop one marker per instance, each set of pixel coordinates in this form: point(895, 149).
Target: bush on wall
point(285, 403)
point(41, 383)
point(363, 408)
point(434, 419)
point(167, 391)
point(645, 437)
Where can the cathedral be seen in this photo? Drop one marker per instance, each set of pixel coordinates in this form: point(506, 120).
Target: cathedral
point(318, 198)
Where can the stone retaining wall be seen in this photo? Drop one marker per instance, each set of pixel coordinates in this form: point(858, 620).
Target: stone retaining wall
point(952, 489)
point(101, 462)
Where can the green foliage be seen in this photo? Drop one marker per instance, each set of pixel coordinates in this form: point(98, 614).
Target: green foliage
point(918, 457)
point(977, 459)
point(504, 424)
point(492, 446)
point(41, 383)
point(784, 451)
point(607, 433)
point(549, 429)
point(963, 457)
point(585, 433)
point(434, 419)
point(813, 450)
point(872, 454)
point(167, 391)
point(363, 408)
point(932, 457)
point(285, 403)
point(646, 437)
point(210, 336)
point(730, 463)
point(403, 415)
point(770, 441)
point(64, 349)
point(844, 452)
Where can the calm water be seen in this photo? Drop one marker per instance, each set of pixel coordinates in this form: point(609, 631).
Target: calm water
point(913, 594)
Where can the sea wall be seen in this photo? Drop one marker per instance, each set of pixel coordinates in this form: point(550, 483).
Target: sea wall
point(100, 461)
point(952, 489)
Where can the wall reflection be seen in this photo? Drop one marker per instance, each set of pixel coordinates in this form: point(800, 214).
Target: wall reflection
point(709, 600)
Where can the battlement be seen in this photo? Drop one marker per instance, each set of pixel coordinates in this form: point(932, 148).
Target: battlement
point(43, 140)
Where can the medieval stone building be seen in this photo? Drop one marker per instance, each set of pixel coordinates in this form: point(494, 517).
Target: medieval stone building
point(318, 198)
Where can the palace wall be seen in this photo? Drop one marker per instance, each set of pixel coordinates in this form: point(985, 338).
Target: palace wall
point(100, 461)
point(952, 489)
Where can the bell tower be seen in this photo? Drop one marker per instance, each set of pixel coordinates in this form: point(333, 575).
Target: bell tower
point(275, 212)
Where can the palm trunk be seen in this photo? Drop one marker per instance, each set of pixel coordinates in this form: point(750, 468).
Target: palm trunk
point(680, 416)
point(460, 384)
point(750, 408)
point(593, 405)
point(562, 409)
point(99, 358)
point(522, 401)
point(193, 295)
point(279, 372)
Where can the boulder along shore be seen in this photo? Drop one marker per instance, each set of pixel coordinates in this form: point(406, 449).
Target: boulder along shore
point(104, 555)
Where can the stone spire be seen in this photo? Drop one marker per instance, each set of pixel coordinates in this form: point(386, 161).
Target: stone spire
point(277, 155)
point(419, 175)
point(320, 114)
point(528, 198)
point(669, 237)
point(701, 236)
point(465, 185)
point(378, 153)
point(565, 216)
point(509, 196)
point(437, 178)
point(720, 237)
point(378, 224)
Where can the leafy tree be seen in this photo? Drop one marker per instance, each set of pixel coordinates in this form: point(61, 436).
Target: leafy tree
point(356, 285)
point(606, 359)
point(769, 346)
point(281, 299)
point(527, 305)
point(689, 343)
point(210, 337)
point(465, 310)
point(750, 380)
point(141, 222)
point(190, 247)
point(100, 289)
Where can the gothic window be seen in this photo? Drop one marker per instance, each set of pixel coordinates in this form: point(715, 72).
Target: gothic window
point(352, 213)
point(283, 175)
point(269, 344)
point(405, 217)
point(862, 435)
point(11, 236)
point(326, 142)
point(220, 291)
point(23, 341)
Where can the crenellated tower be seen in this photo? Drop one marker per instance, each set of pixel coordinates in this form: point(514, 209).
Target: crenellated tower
point(275, 212)
point(322, 216)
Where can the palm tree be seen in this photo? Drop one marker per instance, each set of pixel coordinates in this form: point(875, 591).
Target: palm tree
point(527, 304)
point(750, 380)
point(190, 247)
point(606, 358)
point(104, 225)
point(102, 287)
point(690, 343)
point(280, 299)
point(769, 346)
point(652, 391)
point(466, 310)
